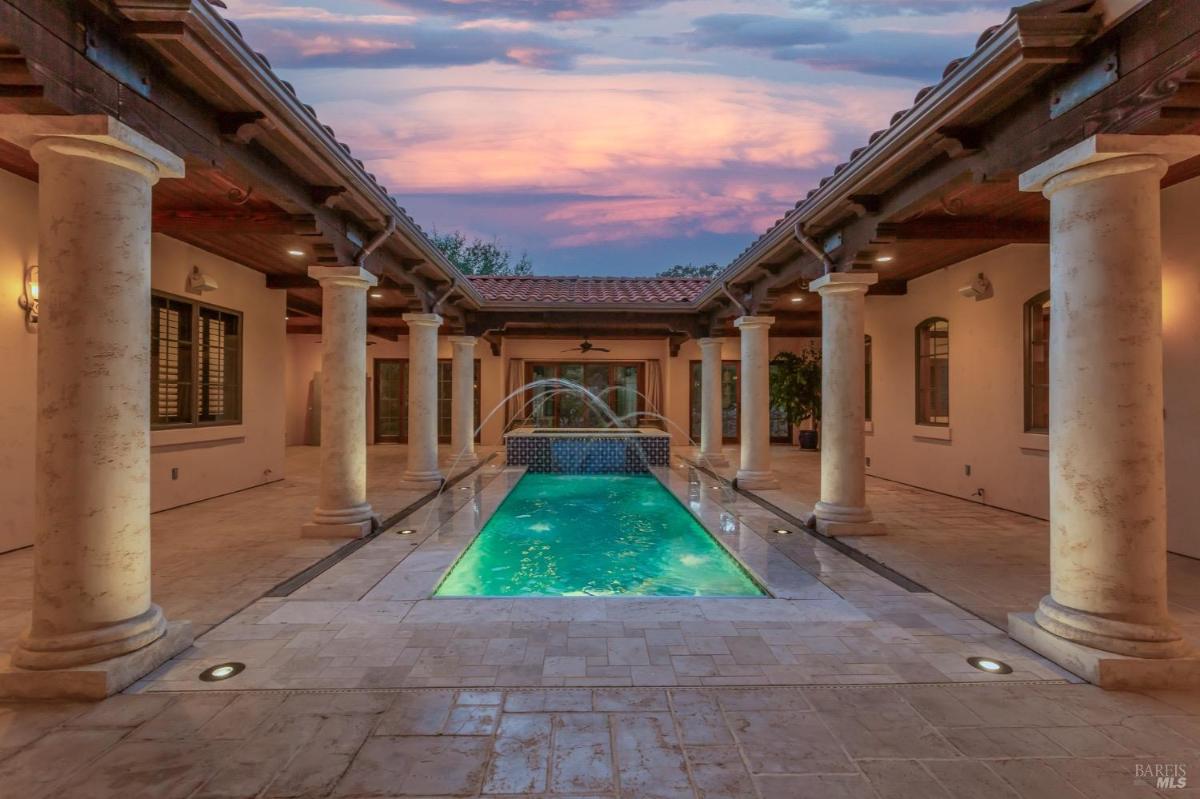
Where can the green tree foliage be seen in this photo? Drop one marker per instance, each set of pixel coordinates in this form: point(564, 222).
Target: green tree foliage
point(480, 257)
point(796, 385)
point(690, 270)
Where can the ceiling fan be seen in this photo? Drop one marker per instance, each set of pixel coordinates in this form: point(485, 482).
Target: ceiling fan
point(586, 347)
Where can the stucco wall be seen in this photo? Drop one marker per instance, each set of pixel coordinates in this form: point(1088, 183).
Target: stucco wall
point(18, 354)
point(212, 461)
point(987, 423)
point(218, 460)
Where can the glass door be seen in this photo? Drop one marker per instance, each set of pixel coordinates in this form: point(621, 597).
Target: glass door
point(391, 400)
point(616, 384)
point(730, 419)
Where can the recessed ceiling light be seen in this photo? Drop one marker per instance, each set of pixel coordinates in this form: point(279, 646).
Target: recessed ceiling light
point(376, 294)
point(296, 253)
point(405, 532)
point(883, 259)
point(990, 665)
point(797, 299)
point(222, 671)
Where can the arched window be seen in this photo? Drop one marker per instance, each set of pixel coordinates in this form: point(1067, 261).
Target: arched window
point(867, 374)
point(1037, 364)
point(933, 372)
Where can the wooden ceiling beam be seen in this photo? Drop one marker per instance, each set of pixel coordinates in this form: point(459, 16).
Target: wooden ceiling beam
point(234, 221)
point(963, 229)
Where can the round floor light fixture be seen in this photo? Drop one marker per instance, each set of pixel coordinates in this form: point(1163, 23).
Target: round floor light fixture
point(783, 531)
point(405, 531)
point(222, 671)
point(990, 665)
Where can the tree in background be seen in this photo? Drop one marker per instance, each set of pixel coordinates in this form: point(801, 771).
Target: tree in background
point(690, 270)
point(480, 257)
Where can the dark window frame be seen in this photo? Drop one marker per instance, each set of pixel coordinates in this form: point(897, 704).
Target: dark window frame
point(612, 365)
point(197, 362)
point(402, 438)
point(921, 388)
point(1031, 315)
point(868, 356)
point(694, 400)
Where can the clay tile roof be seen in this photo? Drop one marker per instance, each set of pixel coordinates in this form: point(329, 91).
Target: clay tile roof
point(589, 290)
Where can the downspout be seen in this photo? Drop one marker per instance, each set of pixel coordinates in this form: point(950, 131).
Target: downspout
point(811, 246)
point(738, 303)
point(374, 243)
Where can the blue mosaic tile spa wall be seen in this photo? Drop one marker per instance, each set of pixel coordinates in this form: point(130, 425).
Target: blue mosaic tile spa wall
point(588, 454)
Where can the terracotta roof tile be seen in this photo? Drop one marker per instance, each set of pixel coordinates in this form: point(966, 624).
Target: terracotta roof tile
point(589, 290)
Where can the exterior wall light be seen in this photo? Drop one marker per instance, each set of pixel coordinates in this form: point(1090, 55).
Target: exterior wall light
point(28, 301)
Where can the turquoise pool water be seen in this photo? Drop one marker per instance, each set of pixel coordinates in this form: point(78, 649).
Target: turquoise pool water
point(594, 535)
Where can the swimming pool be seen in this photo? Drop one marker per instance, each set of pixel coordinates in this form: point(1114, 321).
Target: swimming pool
point(594, 535)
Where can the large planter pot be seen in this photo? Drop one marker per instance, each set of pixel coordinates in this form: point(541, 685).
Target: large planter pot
point(808, 439)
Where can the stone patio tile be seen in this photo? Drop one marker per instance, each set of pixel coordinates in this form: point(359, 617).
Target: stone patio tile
point(1035, 779)
point(479, 698)
point(472, 720)
point(825, 786)
point(146, 770)
point(970, 778)
point(581, 758)
point(122, 710)
point(1114, 778)
point(878, 723)
point(562, 666)
point(902, 779)
point(628, 652)
point(719, 773)
point(629, 700)
point(417, 713)
point(703, 728)
point(577, 700)
point(694, 665)
point(251, 765)
point(295, 611)
point(649, 760)
point(54, 757)
point(706, 645)
point(588, 647)
point(751, 651)
point(417, 766)
point(653, 675)
point(777, 741)
point(242, 716)
point(182, 718)
point(1001, 742)
point(764, 700)
point(521, 755)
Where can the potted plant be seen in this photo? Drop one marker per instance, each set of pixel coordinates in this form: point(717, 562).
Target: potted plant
point(796, 390)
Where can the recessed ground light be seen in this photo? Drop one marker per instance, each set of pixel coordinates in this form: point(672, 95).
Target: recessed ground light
point(883, 259)
point(990, 665)
point(222, 671)
point(783, 531)
point(405, 532)
point(296, 253)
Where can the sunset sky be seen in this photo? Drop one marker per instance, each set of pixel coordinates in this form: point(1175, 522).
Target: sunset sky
point(608, 136)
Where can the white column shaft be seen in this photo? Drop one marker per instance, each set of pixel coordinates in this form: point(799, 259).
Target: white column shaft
point(462, 403)
point(843, 400)
point(711, 426)
point(755, 467)
point(342, 506)
point(91, 549)
point(422, 398)
point(1108, 563)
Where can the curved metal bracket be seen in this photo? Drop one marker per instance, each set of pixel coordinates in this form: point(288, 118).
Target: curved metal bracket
point(740, 305)
point(810, 245)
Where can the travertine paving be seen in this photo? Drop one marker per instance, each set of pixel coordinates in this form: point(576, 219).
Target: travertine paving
point(210, 559)
point(370, 621)
point(1050, 741)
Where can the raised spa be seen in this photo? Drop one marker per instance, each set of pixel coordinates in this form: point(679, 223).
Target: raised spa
point(594, 535)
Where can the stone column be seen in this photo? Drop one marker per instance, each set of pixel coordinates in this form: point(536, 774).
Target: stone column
point(842, 509)
point(1108, 554)
point(422, 398)
point(711, 433)
point(91, 555)
point(462, 402)
point(755, 467)
point(342, 508)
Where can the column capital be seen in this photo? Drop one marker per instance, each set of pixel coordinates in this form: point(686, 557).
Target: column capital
point(354, 277)
point(749, 322)
point(463, 341)
point(710, 341)
point(1106, 154)
point(97, 136)
point(844, 282)
point(422, 320)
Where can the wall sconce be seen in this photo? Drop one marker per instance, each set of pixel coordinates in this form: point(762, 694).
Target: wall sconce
point(198, 282)
point(28, 301)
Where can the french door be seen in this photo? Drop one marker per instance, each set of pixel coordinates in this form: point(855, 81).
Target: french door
point(619, 384)
point(391, 400)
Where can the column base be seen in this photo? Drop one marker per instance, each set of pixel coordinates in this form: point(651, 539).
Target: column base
point(432, 478)
point(835, 520)
point(343, 530)
point(1106, 669)
point(752, 481)
point(94, 681)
